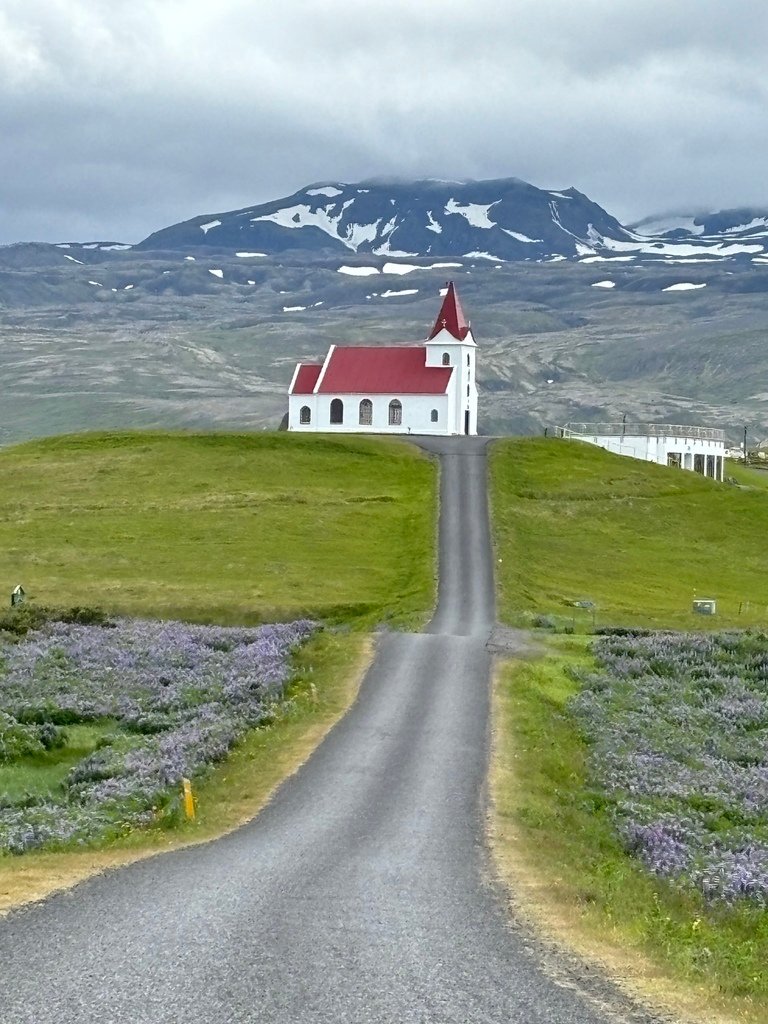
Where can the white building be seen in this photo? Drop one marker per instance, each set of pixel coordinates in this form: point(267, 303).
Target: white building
point(427, 388)
point(700, 449)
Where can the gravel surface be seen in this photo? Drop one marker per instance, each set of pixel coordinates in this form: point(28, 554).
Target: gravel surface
point(362, 893)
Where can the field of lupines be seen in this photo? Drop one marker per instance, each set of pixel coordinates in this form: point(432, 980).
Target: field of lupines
point(174, 698)
point(677, 726)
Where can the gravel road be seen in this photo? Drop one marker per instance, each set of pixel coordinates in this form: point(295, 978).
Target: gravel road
point(362, 893)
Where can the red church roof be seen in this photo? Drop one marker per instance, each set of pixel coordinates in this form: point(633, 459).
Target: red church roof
point(451, 317)
point(384, 370)
point(306, 378)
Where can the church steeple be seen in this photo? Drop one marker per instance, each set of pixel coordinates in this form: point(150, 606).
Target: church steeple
point(451, 317)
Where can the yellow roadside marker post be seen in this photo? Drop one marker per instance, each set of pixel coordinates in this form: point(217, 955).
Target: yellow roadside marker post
point(189, 800)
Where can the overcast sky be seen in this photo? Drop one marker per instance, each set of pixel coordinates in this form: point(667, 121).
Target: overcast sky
point(119, 117)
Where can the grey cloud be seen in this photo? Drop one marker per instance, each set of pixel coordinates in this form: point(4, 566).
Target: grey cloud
point(118, 119)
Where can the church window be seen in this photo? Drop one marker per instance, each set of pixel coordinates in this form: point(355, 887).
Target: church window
point(395, 413)
point(446, 358)
point(467, 390)
point(337, 411)
point(468, 359)
point(366, 412)
point(305, 415)
point(433, 416)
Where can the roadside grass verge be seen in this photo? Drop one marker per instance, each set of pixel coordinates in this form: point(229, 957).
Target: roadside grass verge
point(559, 853)
point(572, 522)
point(233, 529)
point(329, 670)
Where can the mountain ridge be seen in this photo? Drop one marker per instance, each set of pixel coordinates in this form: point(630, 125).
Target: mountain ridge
point(501, 219)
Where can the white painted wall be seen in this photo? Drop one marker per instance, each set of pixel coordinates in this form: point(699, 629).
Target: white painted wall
point(417, 414)
point(657, 449)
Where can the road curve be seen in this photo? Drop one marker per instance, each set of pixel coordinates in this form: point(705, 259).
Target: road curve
point(362, 893)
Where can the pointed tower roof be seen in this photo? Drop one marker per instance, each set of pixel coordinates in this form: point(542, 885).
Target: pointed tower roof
point(451, 318)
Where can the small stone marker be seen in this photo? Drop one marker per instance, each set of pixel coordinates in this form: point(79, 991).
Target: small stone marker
point(18, 596)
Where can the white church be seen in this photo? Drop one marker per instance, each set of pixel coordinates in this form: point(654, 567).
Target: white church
point(428, 388)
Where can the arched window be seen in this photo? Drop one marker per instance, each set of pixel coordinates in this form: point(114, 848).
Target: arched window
point(366, 412)
point(305, 414)
point(446, 358)
point(433, 416)
point(468, 359)
point(337, 411)
point(395, 413)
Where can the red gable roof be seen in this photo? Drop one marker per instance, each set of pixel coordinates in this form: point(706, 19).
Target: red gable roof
point(383, 371)
point(306, 378)
point(451, 316)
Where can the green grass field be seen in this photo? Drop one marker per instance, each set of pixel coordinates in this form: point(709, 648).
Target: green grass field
point(572, 522)
point(227, 528)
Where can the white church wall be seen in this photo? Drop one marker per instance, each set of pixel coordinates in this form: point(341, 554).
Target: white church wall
point(416, 416)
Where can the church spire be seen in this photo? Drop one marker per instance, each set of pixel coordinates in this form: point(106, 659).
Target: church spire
point(451, 318)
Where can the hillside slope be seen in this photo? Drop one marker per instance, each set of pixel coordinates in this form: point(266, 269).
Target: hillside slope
point(221, 527)
point(574, 523)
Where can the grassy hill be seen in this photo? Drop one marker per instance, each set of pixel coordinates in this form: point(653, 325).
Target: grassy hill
point(231, 528)
point(573, 522)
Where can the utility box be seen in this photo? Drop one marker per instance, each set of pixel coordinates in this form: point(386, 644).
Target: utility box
point(705, 606)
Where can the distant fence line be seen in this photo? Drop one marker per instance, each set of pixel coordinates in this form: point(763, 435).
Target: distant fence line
point(574, 429)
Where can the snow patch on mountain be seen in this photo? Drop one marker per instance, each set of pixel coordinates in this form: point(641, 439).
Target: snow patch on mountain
point(358, 271)
point(432, 224)
point(387, 250)
point(359, 233)
point(753, 225)
point(325, 190)
point(606, 259)
point(205, 228)
point(648, 247)
point(520, 236)
point(403, 291)
point(475, 214)
point(684, 286)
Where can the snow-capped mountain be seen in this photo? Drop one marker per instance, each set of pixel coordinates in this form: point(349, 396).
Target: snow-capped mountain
point(504, 219)
point(748, 224)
